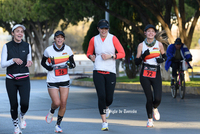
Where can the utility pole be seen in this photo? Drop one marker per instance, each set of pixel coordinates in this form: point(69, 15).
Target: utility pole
point(106, 13)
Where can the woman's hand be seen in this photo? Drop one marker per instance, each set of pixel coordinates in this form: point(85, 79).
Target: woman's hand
point(29, 63)
point(106, 56)
point(18, 61)
point(92, 57)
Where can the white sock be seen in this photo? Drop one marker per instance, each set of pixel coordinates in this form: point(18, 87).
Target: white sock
point(15, 122)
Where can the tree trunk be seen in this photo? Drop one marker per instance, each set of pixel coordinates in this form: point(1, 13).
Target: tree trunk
point(117, 67)
point(40, 43)
point(164, 74)
point(187, 76)
point(130, 70)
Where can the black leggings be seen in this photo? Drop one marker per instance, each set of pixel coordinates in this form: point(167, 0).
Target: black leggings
point(153, 98)
point(175, 67)
point(105, 85)
point(13, 86)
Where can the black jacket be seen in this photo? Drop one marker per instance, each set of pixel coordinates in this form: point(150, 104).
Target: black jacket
point(17, 50)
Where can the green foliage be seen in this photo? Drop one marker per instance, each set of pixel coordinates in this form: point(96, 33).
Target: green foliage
point(13, 10)
point(195, 82)
point(91, 32)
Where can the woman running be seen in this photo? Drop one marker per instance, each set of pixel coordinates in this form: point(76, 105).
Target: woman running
point(16, 57)
point(60, 58)
point(149, 52)
point(104, 72)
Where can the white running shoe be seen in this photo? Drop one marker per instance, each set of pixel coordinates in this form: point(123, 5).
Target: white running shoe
point(104, 126)
point(58, 129)
point(150, 123)
point(22, 122)
point(107, 112)
point(49, 117)
point(17, 130)
point(156, 114)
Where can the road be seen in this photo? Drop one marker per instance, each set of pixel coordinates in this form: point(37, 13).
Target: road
point(82, 117)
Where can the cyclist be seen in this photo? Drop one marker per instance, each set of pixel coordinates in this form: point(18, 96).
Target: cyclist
point(175, 53)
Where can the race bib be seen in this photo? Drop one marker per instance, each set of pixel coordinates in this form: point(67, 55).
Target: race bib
point(59, 70)
point(149, 71)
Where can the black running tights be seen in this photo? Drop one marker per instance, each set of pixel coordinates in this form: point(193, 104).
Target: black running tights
point(13, 86)
point(153, 98)
point(105, 85)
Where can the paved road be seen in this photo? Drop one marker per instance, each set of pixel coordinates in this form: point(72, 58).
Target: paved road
point(82, 117)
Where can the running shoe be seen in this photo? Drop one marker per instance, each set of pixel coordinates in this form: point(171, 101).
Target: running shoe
point(17, 130)
point(156, 114)
point(104, 126)
point(150, 123)
point(58, 129)
point(49, 117)
point(22, 122)
point(107, 112)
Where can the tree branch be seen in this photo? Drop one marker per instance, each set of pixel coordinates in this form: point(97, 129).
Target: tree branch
point(182, 13)
point(194, 22)
point(158, 15)
point(120, 17)
point(167, 16)
point(144, 17)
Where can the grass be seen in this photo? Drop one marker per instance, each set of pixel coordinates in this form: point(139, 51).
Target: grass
point(194, 82)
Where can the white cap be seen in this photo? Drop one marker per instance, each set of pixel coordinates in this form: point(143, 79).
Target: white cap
point(18, 25)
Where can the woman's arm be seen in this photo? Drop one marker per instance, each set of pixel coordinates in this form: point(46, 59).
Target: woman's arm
point(90, 50)
point(29, 58)
point(120, 50)
point(4, 62)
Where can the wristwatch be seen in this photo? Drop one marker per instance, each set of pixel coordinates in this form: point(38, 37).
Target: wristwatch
point(89, 57)
point(112, 57)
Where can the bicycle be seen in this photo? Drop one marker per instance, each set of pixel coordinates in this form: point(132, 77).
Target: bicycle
point(180, 84)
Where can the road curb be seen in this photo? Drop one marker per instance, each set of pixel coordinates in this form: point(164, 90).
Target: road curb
point(38, 78)
point(189, 90)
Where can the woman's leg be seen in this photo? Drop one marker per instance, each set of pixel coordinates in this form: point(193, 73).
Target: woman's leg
point(55, 97)
point(64, 92)
point(110, 87)
point(24, 92)
point(11, 88)
point(157, 90)
point(146, 85)
point(99, 82)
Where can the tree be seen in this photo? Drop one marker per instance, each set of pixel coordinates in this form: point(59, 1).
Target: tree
point(40, 17)
point(162, 11)
point(37, 19)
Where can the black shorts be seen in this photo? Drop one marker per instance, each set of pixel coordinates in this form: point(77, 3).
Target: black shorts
point(58, 84)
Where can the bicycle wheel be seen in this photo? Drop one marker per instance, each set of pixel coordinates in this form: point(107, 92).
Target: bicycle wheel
point(182, 86)
point(173, 91)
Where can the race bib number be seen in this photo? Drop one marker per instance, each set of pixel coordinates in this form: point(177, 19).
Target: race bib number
point(59, 71)
point(149, 72)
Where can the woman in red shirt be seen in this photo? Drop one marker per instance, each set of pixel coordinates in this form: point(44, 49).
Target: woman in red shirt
point(104, 73)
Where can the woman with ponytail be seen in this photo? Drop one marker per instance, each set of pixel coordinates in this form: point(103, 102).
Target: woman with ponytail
point(151, 54)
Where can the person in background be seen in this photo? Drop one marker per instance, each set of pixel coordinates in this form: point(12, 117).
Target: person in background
point(60, 59)
point(151, 54)
point(175, 53)
point(104, 73)
point(16, 58)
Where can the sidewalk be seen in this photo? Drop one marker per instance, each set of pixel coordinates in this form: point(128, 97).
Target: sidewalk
point(189, 90)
